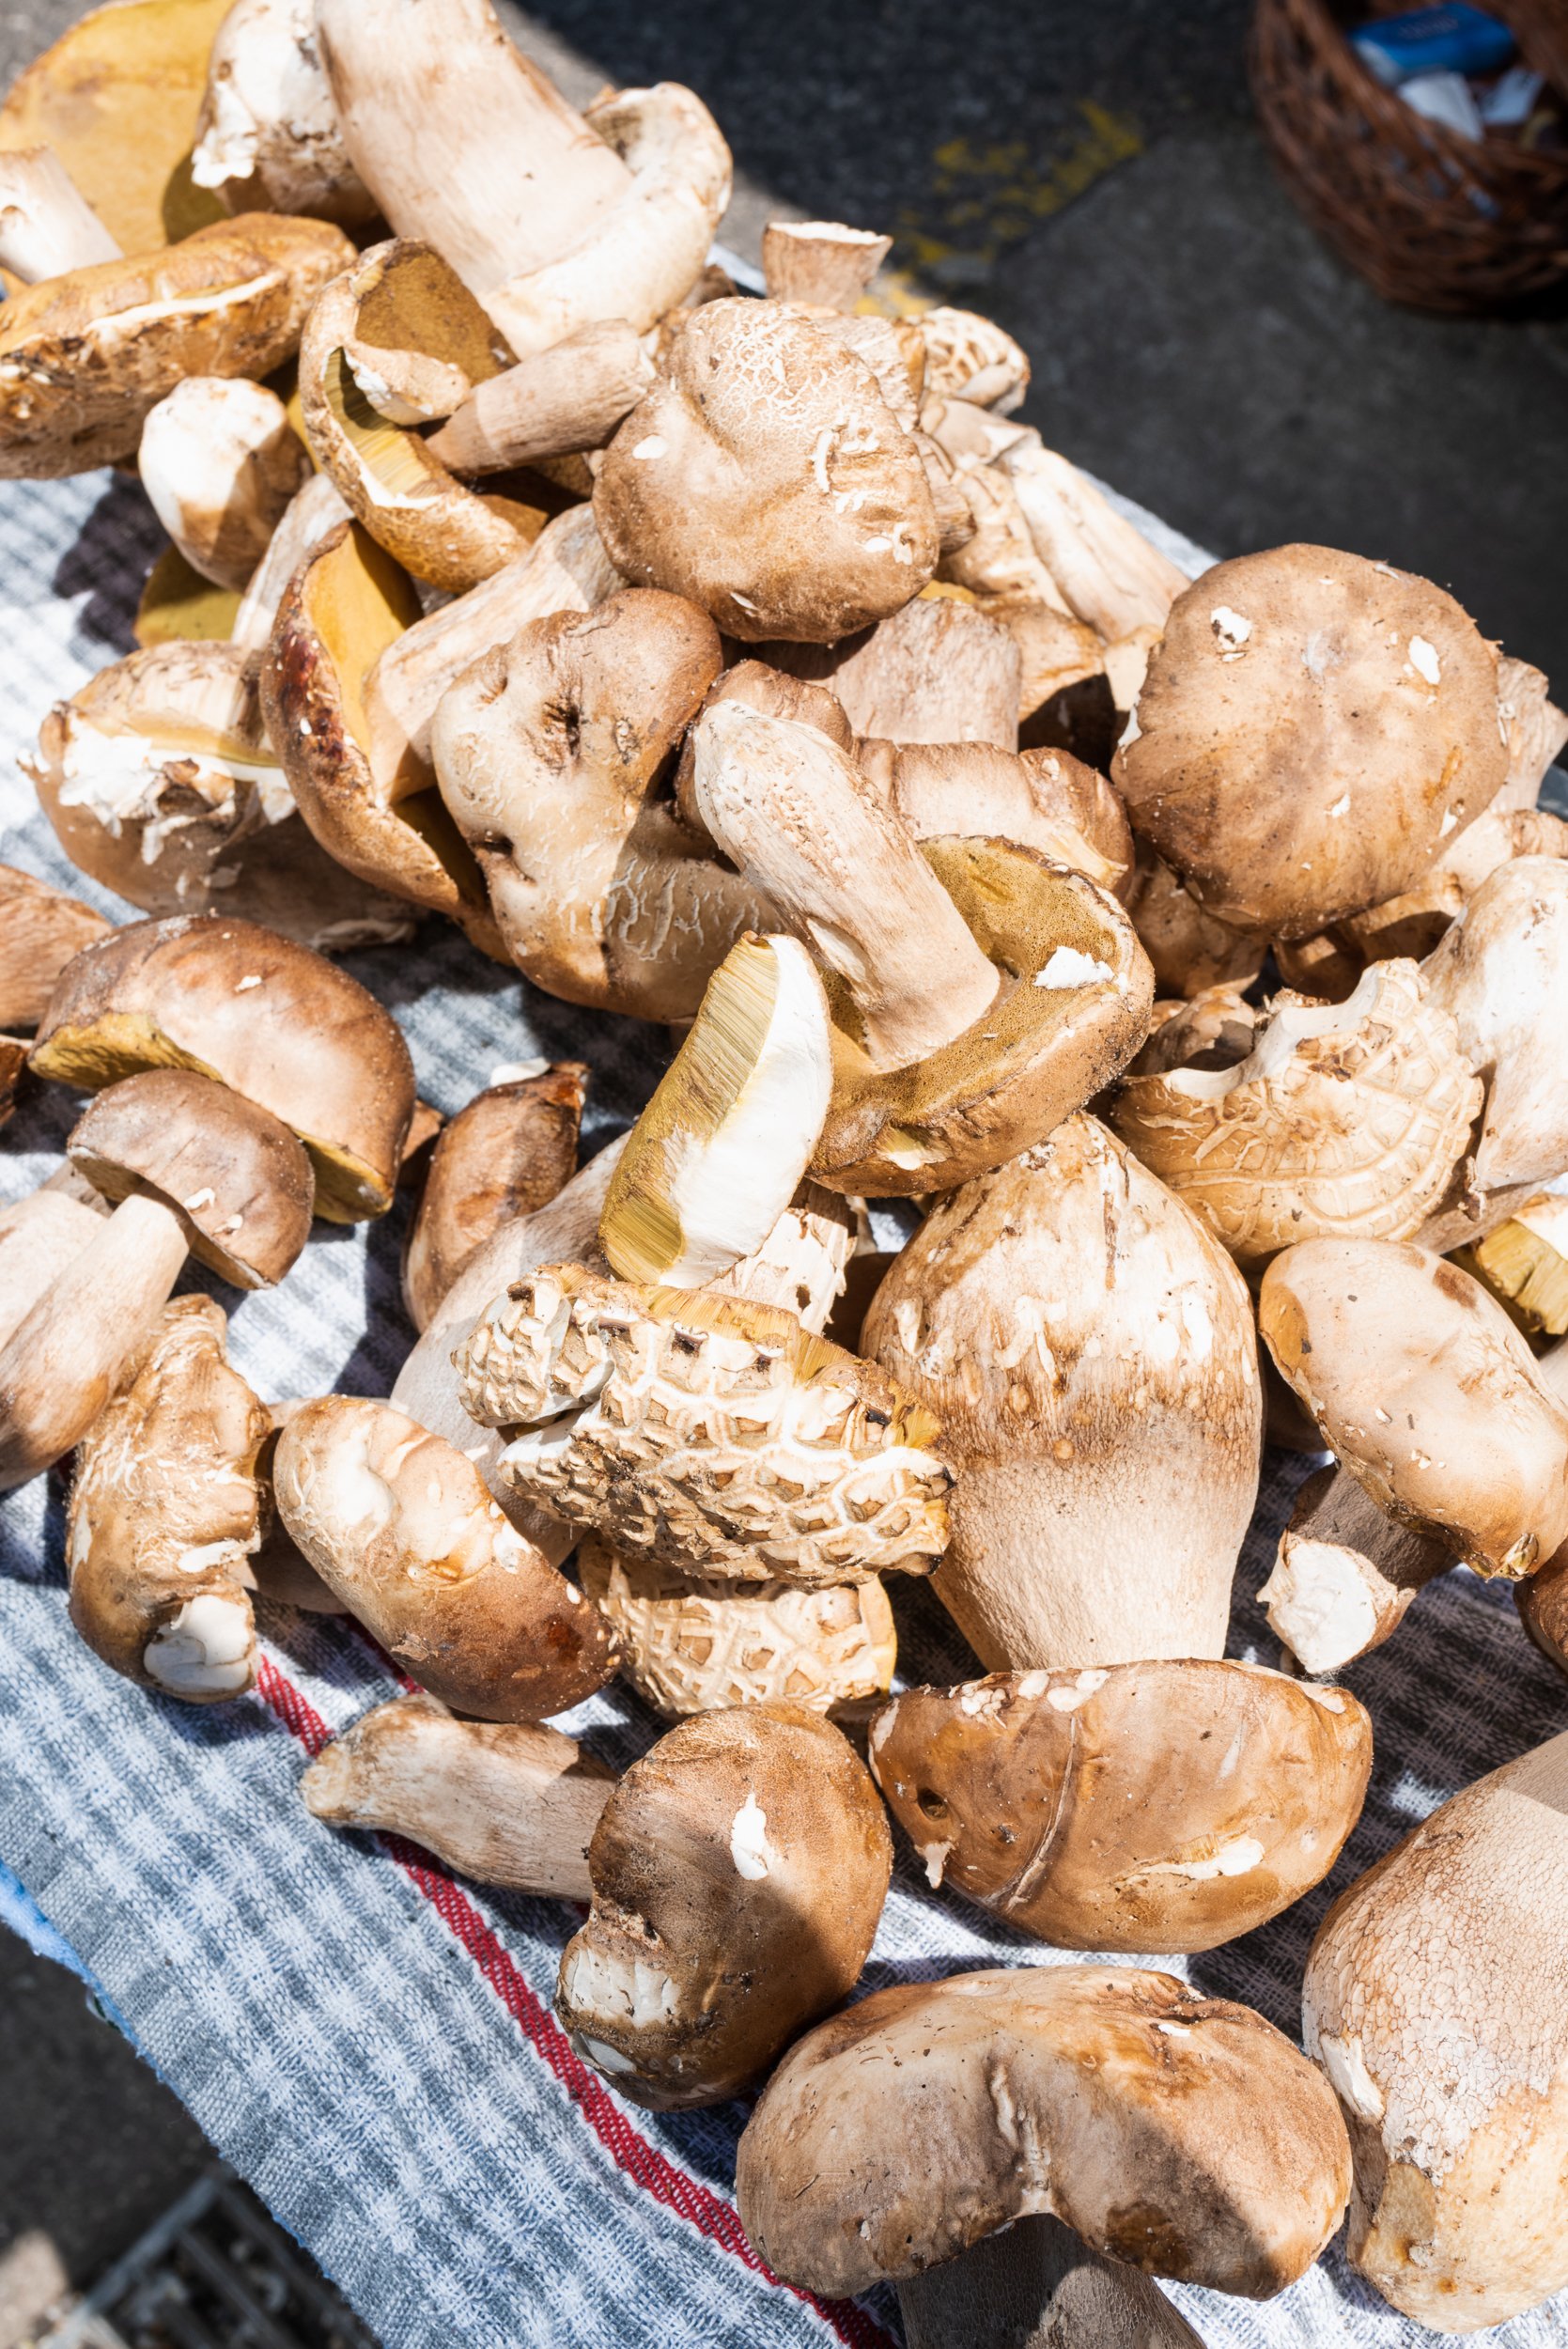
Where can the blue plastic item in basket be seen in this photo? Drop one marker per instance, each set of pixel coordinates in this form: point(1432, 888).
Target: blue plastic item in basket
point(1454, 38)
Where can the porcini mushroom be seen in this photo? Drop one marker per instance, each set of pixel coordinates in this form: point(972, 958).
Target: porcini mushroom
point(1038, 2286)
point(1041, 799)
point(506, 1152)
point(40, 929)
point(1188, 948)
point(821, 262)
point(1502, 972)
point(970, 357)
point(317, 509)
point(566, 399)
point(1090, 1351)
point(738, 1873)
point(220, 462)
point(47, 226)
point(1344, 1573)
point(268, 136)
point(936, 671)
point(1525, 1260)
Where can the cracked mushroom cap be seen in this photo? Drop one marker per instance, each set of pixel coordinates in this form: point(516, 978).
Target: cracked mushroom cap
point(1336, 1121)
point(1502, 972)
point(1311, 728)
point(704, 1432)
point(506, 1152)
point(281, 1026)
point(164, 1514)
point(765, 478)
point(971, 357)
point(1423, 1389)
point(1156, 1806)
point(85, 357)
point(1183, 2135)
point(399, 1525)
point(739, 1872)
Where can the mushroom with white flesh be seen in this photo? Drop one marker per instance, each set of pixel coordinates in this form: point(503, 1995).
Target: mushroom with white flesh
point(220, 462)
point(1183, 2135)
point(1148, 1807)
point(738, 1873)
point(1525, 1262)
point(979, 994)
point(1325, 1120)
point(1089, 1350)
point(85, 357)
point(1311, 728)
point(561, 401)
point(550, 749)
point(47, 226)
point(285, 1029)
point(505, 1153)
point(936, 671)
point(41, 930)
point(268, 138)
point(1344, 1573)
point(399, 1525)
point(821, 262)
point(1426, 1391)
point(1433, 2003)
point(40, 1234)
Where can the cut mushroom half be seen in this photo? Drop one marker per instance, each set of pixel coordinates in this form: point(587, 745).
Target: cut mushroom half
point(1344, 1573)
point(220, 463)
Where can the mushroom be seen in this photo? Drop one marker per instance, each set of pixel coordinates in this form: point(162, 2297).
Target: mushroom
point(317, 509)
point(1311, 728)
point(1183, 2135)
point(971, 358)
point(821, 262)
point(1502, 972)
point(765, 477)
point(401, 1527)
point(1038, 2286)
point(220, 462)
point(1344, 1573)
point(566, 399)
point(1421, 1387)
point(161, 783)
point(979, 994)
point(1188, 948)
point(47, 226)
point(936, 671)
point(40, 1234)
point(1111, 575)
point(1089, 1350)
point(40, 929)
point(268, 136)
point(1151, 1806)
point(85, 357)
point(691, 1645)
point(507, 1151)
point(1524, 1261)
point(1328, 1120)
point(1433, 2003)
point(283, 1028)
point(738, 1873)
point(1043, 799)
point(165, 1515)
point(704, 1432)
point(548, 751)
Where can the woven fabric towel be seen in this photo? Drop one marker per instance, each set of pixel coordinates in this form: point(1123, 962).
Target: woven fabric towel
point(367, 2040)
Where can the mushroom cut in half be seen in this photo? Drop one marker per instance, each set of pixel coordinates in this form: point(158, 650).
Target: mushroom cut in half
point(1346, 1573)
point(706, 1432)
point(400, 1527)
point(1311, 728)
point(1185, 2136)
point(739, 1872)
point(1150, 1807)
point(1337, 1120)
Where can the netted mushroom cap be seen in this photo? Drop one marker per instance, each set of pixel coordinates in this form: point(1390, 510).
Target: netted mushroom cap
point(706, 1433)
point(1311, 730)
point(1183, 2135)
point(282, 1027)
point(1157, 1806)
point(239, 1181)
point(696, 1646)
point(164, 1513)
point(85, 357)
point(740, 1870)
point(1502, 972)
point(1339, 1120)
point(971, 357)
point(504, 1153)
point(766, 477)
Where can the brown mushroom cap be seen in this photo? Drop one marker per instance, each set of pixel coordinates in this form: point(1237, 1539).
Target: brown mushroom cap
point(738, 1870)
point(40, 929)
point(1183, 2135)
point(1157, 1806)
point(508, 1151)
point(765, 478)
point(1543, 1605)
point(1312, 727)
point(282, 1026)
point(234, 1175)
point(936, 671)
point(1188, 948)
point(400, 1526)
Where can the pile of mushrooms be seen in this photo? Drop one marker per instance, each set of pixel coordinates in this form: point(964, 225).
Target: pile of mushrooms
point(1185, 959)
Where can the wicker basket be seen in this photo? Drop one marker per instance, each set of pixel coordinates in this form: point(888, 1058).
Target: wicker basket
point(1431, 218)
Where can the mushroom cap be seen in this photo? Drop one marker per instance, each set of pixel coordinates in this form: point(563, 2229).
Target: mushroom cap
point(1312, 727)
point(1188, 948)
point(239, 1181)
point(1502, 972)
point(1423, 1389)
point(803, 1263)
point(1543, 1605)
point(765, 478)
point(505, 1153)
point(40, 929)
point(740, 1870)
point(282, 1027)
point(1183, 2135)
point(165, 1512)
point(83, 358)
point(1044, 800)
point(1156, 1806)
point(936, 670)
point(219, 462)
point(971, 357)
point(400, 1526)
point(776, 695)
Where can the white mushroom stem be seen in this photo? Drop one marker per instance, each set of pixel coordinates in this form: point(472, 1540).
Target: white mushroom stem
point(318, 509)
point(39, 1237)
point(1110, 574)
point(570, 398)
point(47, 226)
point(268, 138)
point(1038, 2286)
point(793, 815)
point(820, 261)
point(222, 464)
point(1345, 1574)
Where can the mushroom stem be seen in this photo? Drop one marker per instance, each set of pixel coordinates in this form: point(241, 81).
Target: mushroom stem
point(1038, 2286)
point(820, 261)
point(1344, 1573)
point(845, 875)
point(569, 398)
point(47, 226)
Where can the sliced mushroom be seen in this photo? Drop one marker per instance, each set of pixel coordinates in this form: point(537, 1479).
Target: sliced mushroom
point(220, 463)
point(566, 399)
point(40, 929)
point(268, 138)
point(1502, 972)
point(47, 226)
point(1344, 1573)
point(507, 1153)
point(738, 1873)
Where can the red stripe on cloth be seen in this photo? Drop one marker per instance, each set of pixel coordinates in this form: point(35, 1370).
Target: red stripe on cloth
point(629, 2148)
